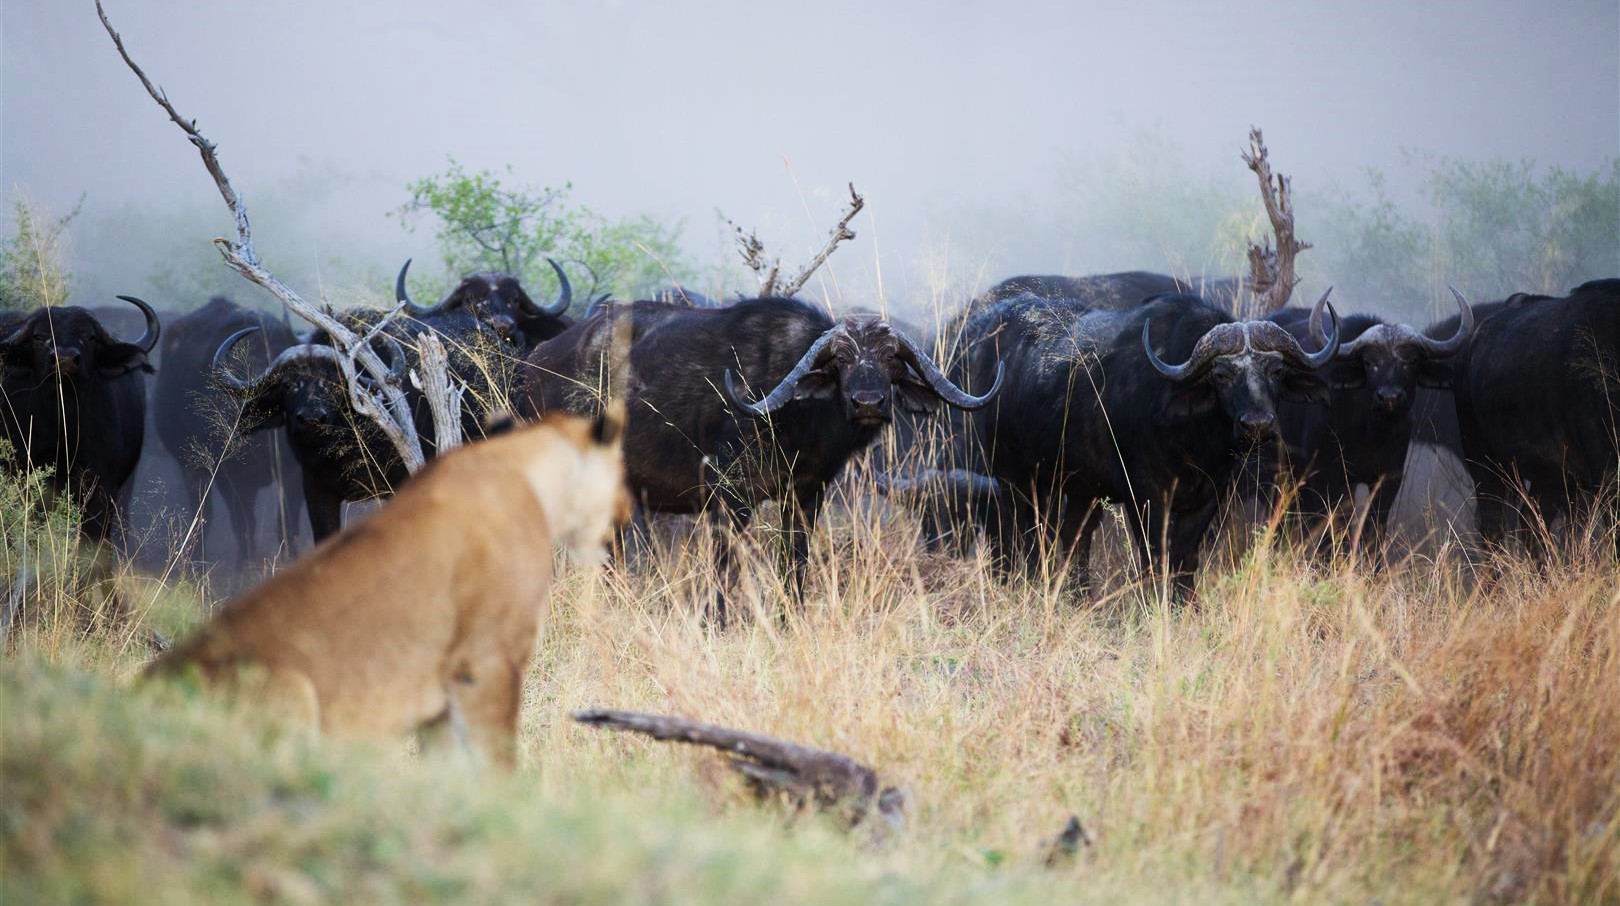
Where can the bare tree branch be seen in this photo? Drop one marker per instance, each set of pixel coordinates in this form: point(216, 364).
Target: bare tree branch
point(753, 254)
point(769, 273)
point(389, 407)
point(1271, 273)
point(839, 233)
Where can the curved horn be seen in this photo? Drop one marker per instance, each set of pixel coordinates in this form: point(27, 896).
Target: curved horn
point(404, 298)
point(942, 385)
point(250, 387)
point(1330, 342)
point(1453, 345)
point(396, 357)
point(1378, 334)
point(223, 374)
point(412, 308)
point(1317, 333)
point(565, 296)
point(783, 392)
point(153, 327)
point(1203, 353)
point(21, 333)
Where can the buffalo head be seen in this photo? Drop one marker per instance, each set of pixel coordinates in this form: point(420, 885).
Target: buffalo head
point(1244, 367)
point(867, 364)
point(1392, 359)
point(68, 343)
point(301, 388)
point(497, 301)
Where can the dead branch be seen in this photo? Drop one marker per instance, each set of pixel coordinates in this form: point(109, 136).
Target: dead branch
point(771, 766)
point(839, 233)
point(432, 376)
point(388, 407)
point(769, 273)
point(753, 254)
point(1271, 272)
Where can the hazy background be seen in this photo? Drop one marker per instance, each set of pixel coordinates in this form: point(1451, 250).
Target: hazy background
point(989, 138)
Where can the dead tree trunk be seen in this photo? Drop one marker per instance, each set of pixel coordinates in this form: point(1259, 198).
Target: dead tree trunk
point(388, 406)
point(806, 776)
point(1271, 272)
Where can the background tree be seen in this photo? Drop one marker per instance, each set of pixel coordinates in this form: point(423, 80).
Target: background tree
point(483, 223)
point(31, 273)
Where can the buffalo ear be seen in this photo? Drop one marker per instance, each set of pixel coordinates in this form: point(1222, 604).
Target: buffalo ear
point(261, 415)
point(121, 358)
point(1305, 388)
point(1435, 374)
point(1187, 402)
point(818, 384)
point(916, 397)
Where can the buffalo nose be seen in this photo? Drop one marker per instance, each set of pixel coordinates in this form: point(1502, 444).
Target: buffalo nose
point(1256, 422)
point(1391, 397)
point(866, 399)
point(68, 360)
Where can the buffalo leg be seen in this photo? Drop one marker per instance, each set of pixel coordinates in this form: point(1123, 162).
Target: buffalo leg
point(239, 500)
point(798, 521)
point(325, 510)
point(1015, 541)
point(726, 507)
point(1490, 510)
point(1080, 519)
point(1173, 540)
point(1374, 535)
point(1186, 535)
point(288, 521)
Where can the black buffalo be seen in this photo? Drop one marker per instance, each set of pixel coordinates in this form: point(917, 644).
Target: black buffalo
point(342, 456)
point(495, 302)
point(75, 401)
point(1117, 291)
point(196, 421)
point(486, 324)
point(1538, 404)
point(1093, 411)
point(1361, 436)
point(765, 399)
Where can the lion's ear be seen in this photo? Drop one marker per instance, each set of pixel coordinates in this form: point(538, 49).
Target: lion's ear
point(498, 422)
point(609, 425)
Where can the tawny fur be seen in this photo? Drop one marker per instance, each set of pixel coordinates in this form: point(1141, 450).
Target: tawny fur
point(430, 609)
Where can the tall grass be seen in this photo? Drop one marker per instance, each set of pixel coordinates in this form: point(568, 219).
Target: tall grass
point(1310, 731)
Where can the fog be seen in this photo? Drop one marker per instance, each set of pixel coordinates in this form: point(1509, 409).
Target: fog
point(939, 112)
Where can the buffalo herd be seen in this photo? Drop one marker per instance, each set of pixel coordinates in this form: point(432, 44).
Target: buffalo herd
point(1043, 400)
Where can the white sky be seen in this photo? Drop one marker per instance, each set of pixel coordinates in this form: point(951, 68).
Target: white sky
point(677, 109)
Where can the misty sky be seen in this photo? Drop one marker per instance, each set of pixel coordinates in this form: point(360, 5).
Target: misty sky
point(677, 109)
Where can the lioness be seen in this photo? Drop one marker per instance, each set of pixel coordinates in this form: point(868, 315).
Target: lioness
point(429, 610)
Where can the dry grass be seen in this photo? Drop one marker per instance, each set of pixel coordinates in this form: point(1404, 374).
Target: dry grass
point(1307, 733)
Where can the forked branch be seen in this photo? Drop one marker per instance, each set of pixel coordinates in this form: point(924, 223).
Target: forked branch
point(839, 233)
point(387, 405)
point(769, 272)
point(1271, 271)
